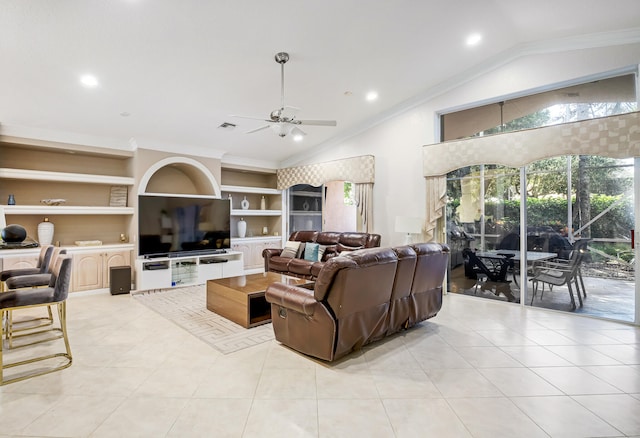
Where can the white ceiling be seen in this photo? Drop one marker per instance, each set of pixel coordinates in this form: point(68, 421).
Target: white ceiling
point(181, 68)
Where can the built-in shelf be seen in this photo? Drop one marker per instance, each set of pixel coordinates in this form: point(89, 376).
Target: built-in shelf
point(42, 175)
point(245, 189)
point(239, 212)
point(66, 210)
point(180, 195)
point(305, 213)
point(306, 193)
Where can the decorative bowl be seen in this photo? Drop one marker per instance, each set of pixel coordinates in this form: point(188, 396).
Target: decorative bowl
point(53, 201)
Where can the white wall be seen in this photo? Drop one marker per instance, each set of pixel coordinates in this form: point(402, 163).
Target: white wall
point(397, 143)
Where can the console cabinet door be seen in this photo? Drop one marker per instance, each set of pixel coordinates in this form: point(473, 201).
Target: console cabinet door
point(114, 258)
point(87, 271)
point(91, 269)
point(245, 249)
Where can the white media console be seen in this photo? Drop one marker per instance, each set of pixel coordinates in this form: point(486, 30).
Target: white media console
point(166, 272)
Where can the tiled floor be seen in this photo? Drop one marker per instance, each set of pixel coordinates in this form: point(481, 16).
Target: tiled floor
point(480, 368)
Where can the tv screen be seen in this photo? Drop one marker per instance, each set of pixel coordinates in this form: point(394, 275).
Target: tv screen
point(172, 225)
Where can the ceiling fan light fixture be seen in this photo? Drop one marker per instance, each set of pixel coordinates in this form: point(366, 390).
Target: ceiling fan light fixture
point(298, 134)
point(281, 129)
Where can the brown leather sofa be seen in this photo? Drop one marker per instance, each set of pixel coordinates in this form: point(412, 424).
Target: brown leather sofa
point(359, 298)
point(334, 243)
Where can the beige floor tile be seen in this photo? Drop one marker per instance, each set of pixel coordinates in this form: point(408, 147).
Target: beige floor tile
point(341, 383)
point(620, 410)
point(221, 382)
point(424, 418)
point(504, 338)
point(494, 418)
point(172, 382)
point(281, 357)
point(589, 337)
point(561, 416)
point(627, 354)
point(20, 410)
point(405, 384)
point(514, 382)
point(535, 356)
point(73, 416)
point(142, 416)
point(353, 418)
point(575, 381)
point(282, 418)
point(624, 377)
point(136, 374)
point(445, 357)
point(212, 417)
point(287, 384)
point(462, 383)
point(582, 355)
point(390, 354)
point(487, 357)
point(548, 337)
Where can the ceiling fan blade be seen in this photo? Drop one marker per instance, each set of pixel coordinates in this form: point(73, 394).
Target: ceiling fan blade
point(318, 122)
point(258, 129)
point(251, 118)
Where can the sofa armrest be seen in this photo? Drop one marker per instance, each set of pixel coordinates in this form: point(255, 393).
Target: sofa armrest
point(290, 297)
point(267, 253)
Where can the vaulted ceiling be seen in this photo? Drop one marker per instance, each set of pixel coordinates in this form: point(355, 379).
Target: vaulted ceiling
point(171, 72)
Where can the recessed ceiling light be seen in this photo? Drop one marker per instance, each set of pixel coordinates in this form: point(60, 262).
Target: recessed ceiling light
point(89, 81)
point(474, 39)
point(371, 96)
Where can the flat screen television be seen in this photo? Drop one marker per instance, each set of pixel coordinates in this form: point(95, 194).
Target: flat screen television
point(182, 225)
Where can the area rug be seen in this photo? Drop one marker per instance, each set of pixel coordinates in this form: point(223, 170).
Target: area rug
point(187, 307)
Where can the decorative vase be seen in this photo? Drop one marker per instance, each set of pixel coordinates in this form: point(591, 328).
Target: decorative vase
point(242, 228)
point(263, 204)
point(305, 205)
point(11, 200)
point(244, 204)
point(45, 232)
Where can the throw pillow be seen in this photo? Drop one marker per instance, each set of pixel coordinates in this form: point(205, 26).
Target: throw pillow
point(290, 249)
point(300, 253)
point(321, 250)
point(311, 252)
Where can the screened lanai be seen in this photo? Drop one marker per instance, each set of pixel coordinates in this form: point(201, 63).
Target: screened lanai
point(552, 207)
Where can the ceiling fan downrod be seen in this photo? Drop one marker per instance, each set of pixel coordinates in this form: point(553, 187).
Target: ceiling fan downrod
point(281, 58)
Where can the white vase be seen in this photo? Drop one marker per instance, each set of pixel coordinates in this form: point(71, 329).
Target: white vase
point(263, 204)
point(242, 228)
point(244, 204)
point(45, 232)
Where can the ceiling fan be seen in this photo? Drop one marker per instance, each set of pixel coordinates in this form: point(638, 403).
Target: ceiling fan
point(283, 120)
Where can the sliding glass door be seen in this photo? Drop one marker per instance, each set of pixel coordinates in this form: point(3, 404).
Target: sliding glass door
point(574, 252)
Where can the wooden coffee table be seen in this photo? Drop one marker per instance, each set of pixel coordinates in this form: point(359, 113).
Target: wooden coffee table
point(241, 299)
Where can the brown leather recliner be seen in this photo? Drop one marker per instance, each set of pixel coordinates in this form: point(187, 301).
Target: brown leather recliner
point(359, 298)
point(334, 243)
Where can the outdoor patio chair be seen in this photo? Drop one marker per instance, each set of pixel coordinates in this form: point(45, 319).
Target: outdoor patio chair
point(562, 272)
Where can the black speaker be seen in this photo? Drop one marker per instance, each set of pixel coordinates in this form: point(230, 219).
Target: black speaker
point(120, 282)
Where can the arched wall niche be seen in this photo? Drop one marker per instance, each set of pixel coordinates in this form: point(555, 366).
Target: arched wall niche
point(181, 176)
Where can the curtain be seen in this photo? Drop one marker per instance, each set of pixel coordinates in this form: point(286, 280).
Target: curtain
point(364, 206)
point(436, 202)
